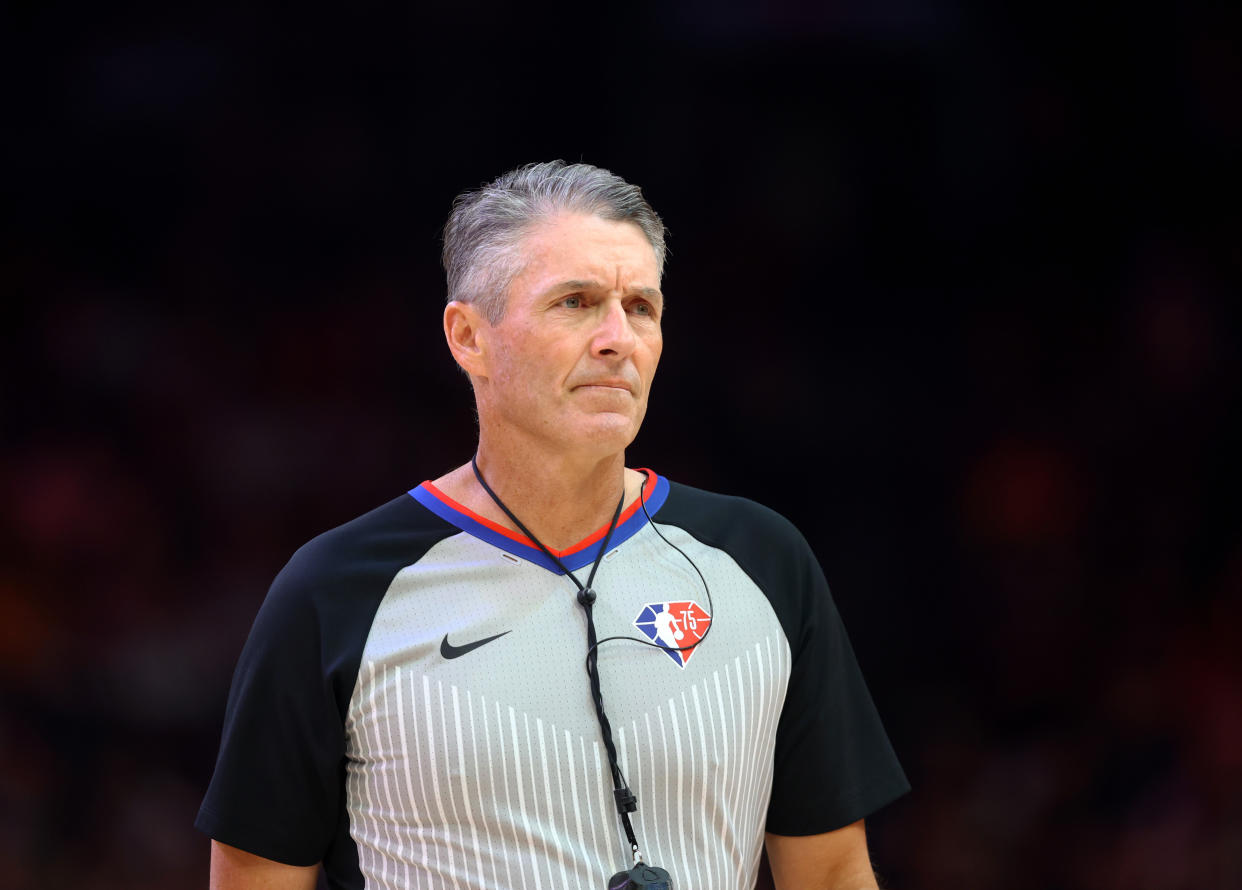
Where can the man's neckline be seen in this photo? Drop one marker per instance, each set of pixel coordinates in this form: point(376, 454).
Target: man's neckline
point(654, 493)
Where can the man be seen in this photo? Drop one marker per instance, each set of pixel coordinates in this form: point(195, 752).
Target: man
point(473, 686)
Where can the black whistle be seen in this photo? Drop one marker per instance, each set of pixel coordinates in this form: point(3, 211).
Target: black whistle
point(641, 876)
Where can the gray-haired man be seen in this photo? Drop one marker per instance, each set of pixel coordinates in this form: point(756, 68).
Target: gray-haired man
point(543, 665)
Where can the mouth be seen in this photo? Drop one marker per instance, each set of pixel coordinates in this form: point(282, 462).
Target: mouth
point(620, 385)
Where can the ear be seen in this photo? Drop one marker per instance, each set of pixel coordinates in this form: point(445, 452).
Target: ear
point(465, 330)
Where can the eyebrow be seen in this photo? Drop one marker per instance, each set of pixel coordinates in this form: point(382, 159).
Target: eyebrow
point(650, 293)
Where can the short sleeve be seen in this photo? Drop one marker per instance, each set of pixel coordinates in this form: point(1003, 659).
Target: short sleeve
point(279, 778)
point(830, 737)
point(278, 789)
point(833, 762)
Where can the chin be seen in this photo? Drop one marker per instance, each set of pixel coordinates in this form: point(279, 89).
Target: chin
point(608, 434)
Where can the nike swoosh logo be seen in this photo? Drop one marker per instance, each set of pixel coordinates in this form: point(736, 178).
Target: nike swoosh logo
point(448, 650)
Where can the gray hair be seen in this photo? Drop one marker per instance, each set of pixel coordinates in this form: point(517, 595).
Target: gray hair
point(486, 224)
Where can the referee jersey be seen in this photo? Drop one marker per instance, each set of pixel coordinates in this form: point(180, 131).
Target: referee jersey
point(412, 708)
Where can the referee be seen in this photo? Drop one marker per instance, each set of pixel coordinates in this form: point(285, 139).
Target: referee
point(543, 668)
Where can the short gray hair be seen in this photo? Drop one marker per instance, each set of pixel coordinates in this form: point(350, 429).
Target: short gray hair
point(486, 224)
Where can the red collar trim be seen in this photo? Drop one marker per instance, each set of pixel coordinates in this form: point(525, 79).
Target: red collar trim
point(595, 536)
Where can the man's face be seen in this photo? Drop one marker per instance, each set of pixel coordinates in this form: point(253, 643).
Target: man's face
point(570, 365)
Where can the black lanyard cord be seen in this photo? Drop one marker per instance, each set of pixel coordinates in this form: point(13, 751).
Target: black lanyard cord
point(625, 799)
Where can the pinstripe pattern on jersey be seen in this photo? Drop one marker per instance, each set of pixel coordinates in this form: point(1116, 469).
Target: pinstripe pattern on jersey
point(449, 787)
point(483, 766)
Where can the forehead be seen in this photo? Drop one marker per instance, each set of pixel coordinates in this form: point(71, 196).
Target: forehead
point(577, 246)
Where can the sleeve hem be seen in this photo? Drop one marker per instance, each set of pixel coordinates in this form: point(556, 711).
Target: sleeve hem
point(252, 839)
point(846, 814)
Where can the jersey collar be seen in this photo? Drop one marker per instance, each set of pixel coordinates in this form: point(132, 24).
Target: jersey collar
point(655, 492)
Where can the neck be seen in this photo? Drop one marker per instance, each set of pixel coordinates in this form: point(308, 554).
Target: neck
point(561, 499)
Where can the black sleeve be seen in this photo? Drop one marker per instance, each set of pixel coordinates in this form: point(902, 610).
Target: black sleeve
point(279, 777)
point(278, 789)
point(830, 737)
point(833, 763)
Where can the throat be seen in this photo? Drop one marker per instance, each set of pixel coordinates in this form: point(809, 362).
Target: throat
point(561, 517)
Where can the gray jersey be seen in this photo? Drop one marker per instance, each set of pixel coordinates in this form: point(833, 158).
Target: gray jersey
point(412, 707)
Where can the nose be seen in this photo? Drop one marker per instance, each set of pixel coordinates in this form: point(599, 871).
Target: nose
point(614, 338)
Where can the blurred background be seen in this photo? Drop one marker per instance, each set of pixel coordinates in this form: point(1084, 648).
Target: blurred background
point(953, 286)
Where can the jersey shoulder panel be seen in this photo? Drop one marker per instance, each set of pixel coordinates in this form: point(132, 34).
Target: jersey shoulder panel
point(277, 787)
point(391, 533)
point(337, 580)
point(744, 525)
point(829, 737)
point(764, 544)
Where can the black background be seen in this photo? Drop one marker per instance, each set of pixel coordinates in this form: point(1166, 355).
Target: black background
point(954, 287)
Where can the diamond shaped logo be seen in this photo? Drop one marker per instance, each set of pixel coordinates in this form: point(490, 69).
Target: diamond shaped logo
point(674, 626)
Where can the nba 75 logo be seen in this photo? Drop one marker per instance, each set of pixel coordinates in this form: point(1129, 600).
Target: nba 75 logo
point(673, 625)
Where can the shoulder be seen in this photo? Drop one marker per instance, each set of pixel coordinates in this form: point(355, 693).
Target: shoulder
point(730, 522)
point(378, 542)
point(765, 545)
point(319, 609)
point(333, 584)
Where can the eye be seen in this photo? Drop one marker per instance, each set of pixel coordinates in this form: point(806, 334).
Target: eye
point(573, 301)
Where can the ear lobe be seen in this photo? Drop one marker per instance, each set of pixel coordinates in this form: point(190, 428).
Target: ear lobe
point(463, 329)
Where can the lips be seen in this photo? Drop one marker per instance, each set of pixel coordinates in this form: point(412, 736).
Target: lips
point(607, 384)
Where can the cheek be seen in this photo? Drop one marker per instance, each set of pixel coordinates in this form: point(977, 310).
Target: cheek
point(523, 376)
point(655, 347)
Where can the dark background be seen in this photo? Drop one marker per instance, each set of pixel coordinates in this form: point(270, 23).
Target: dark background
point(954, 287)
